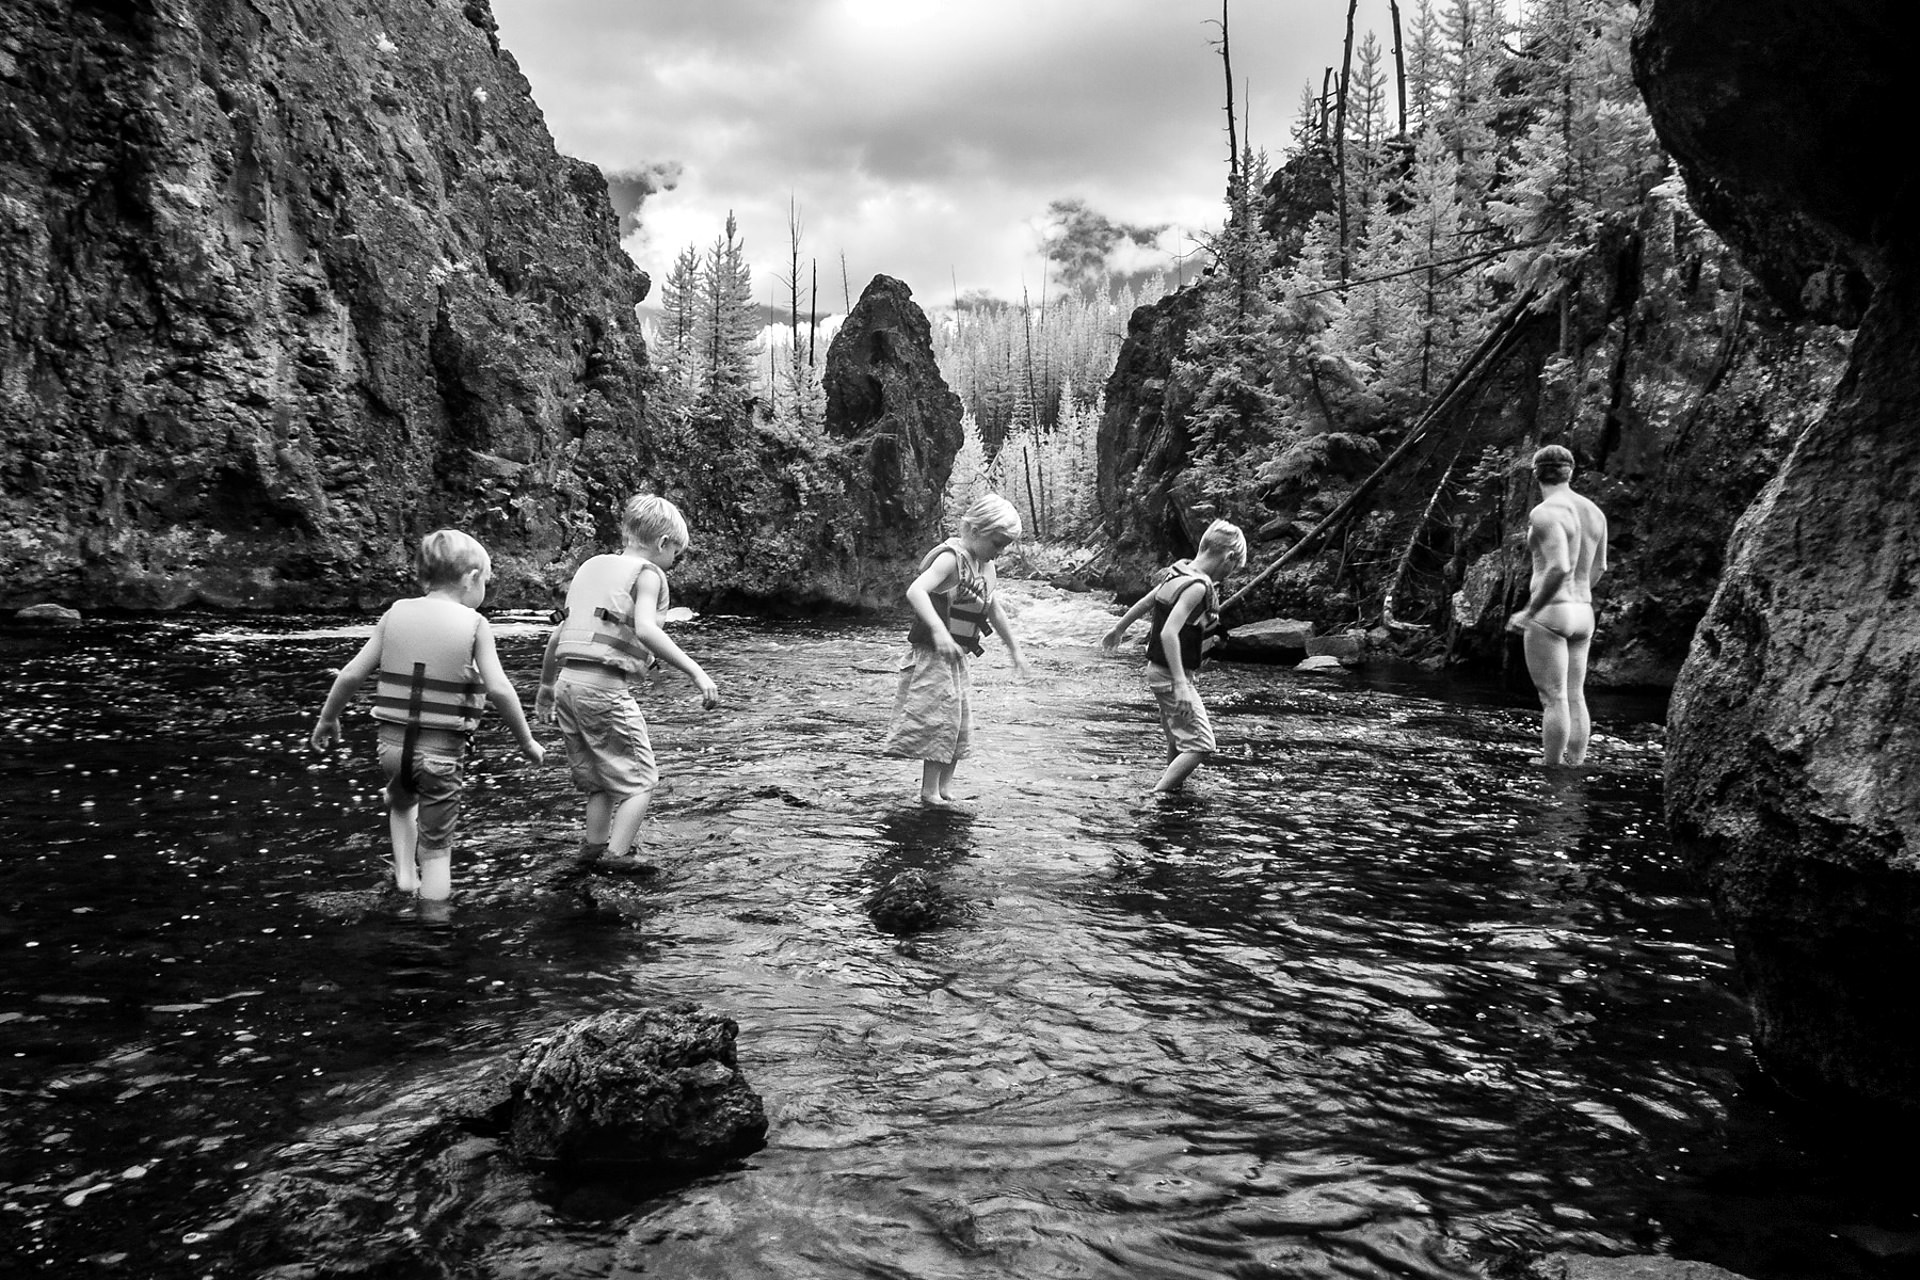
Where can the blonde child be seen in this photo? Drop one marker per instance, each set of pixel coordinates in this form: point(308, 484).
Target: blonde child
point(1185, 610)
point(436, 663)
point(954, 609)
point(610, 639)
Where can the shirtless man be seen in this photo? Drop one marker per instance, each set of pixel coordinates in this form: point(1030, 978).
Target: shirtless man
point(1567, 535)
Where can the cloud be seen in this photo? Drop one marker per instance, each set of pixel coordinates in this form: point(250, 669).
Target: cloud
point(629, 189)
point(922, 138)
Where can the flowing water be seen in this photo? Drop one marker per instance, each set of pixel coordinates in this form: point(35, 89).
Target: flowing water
point(1374, 999)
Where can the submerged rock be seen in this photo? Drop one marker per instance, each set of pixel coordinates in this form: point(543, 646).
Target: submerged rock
point(912, 902)
point(1582, 1266)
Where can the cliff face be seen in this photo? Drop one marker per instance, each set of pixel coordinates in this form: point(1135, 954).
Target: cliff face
point(286, 285)
point(1793, 772)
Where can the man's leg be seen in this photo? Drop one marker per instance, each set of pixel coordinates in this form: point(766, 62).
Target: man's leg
point(1547, 664)
point(1579, 724)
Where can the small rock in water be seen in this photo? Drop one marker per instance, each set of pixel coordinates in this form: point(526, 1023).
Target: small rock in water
point(52, 614)
point(910, 902)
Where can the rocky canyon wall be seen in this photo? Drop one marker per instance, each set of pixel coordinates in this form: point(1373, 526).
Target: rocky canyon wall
point(1793, 774)
point(285, 284)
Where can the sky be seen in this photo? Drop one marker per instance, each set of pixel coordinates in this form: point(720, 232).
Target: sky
point(922, 139)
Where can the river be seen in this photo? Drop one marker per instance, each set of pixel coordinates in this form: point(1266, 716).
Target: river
point(1375, 999)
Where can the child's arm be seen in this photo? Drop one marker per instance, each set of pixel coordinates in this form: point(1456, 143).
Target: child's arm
point(938, 576)
point(549, 676)
point(326, 731)
point(1141, 607)
point(1183, 606)
point(501, 694)
point(646, 625)
point(999, 620)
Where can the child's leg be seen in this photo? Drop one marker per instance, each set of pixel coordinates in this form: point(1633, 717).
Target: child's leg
point(599, 817)
point(625, 827)
point(1177, 771)
point(403, 833)
point(946, 779)
point(403, 829)
point(1189, 732)
point(930, 780)
point(436, 875)
point(441, 780)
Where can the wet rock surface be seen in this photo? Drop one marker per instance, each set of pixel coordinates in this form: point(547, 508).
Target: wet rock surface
point(257, 261)
point(289, 285)
point(485, 1166)
point(913, 901)
point(1793, 779)
point(652, 1093)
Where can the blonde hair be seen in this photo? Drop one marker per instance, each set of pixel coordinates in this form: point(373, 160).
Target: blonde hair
point(990, 514)
point(648, 517)
point(448, 555)
point(1224, 535)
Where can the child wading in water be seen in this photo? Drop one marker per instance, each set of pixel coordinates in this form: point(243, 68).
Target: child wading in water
point(596, 657)
point(437, 667)
point(954, 609)
point(1185, 610)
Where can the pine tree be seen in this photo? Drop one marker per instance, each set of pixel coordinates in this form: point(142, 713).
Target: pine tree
point(1425, 67)
point(673, 357)
point(724, 327)
point(1582, 172)
point(1227, 366)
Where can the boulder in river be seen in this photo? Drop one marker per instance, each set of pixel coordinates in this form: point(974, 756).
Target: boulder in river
point(465, 1170)
point(651, 1092)
point(1269, 640)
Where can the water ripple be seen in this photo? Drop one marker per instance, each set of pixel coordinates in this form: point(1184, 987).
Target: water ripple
point(1375, 999)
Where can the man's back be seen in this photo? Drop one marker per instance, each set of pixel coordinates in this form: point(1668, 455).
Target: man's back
point(1569, 532)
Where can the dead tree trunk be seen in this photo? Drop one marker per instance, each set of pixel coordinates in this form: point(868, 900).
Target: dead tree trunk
point(1340, 135)
point(1226, 64)
point(1464, 382)
point(1399, 65)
